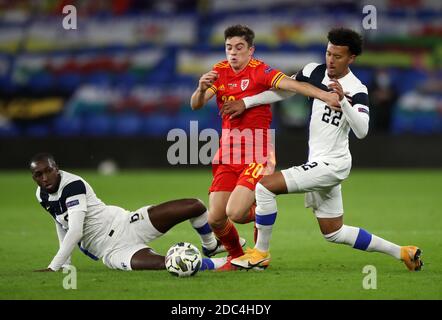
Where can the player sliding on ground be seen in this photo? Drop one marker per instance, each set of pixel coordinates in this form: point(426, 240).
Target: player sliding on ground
point(329, 160)
point(236, 169)
point(110, 233)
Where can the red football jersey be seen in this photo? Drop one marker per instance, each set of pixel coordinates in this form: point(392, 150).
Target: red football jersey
point(255, 78)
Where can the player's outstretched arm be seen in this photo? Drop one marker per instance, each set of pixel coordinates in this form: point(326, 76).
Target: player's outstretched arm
point(267, 97)
point(237, 107)
point(61, 233)
point(306, 89)
point(201, 95)
point(72, 237)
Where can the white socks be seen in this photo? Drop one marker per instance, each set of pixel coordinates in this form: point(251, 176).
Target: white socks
point(360, 239)
point(201, 226)
point(265, 217)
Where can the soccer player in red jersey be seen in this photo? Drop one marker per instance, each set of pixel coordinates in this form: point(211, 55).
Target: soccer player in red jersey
point(232, 191)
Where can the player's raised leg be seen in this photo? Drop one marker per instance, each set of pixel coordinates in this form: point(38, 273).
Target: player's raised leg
point(168, 214)
point(147, 259)
point(335, 231)
point(165, 216)
point(266, 211)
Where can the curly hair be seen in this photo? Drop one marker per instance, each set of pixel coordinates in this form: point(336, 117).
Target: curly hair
point(346, 37)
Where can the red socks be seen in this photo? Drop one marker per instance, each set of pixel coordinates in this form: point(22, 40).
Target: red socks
point(228, 235)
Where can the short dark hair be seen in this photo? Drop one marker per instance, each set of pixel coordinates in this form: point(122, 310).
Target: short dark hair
point(240, 30)
point(346, 37)
point(42, 156)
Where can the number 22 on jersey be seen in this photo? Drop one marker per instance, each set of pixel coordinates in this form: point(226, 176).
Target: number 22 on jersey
point(335, 118)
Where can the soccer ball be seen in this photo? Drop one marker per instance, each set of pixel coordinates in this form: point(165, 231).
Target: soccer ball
point(183, 259)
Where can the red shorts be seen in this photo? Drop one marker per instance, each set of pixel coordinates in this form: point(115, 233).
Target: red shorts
point(227, 176)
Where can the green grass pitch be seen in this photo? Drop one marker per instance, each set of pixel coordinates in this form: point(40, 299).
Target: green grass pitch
point(401, 206)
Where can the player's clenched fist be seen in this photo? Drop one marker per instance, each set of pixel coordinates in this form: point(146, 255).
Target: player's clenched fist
point(207, 80)
point(234, 108)
point(332, 100)
point(337, 88)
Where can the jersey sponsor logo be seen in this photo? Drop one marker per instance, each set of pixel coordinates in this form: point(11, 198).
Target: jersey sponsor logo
point(222, 88)
point(232, 85)
point(244, 84)
point(72, 203)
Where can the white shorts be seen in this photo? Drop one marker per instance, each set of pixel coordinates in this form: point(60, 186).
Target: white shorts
point(321, 185)
point(130, 236)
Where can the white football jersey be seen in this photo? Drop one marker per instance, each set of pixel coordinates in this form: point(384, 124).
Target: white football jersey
point(74, 193)
point(329, 129)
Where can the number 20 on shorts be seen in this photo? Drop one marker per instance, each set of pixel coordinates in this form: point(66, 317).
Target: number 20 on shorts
point(254, 169)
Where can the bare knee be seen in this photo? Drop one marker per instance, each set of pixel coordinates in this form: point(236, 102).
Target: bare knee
point(274, 183)
point(199, 206)
point(331, 229)
point(146, 259)
point(216, 220)
point(235, 214)
point(266, 181)
point(330, 225)
point(195, 206)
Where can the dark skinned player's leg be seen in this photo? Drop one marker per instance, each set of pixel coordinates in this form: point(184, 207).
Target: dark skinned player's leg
point(168, 214)
point(163, 217)
point(146, 259)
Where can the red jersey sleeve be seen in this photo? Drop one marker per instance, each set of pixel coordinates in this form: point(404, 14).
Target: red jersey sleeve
point(268, 76)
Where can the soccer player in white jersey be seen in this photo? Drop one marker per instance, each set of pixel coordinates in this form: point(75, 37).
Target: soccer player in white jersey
point(115, 235)
point(329, 160)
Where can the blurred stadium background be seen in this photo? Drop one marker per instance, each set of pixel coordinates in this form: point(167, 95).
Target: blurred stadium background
point(114, 87)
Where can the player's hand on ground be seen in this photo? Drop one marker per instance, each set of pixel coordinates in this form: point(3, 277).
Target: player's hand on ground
point(44, 270)
point(234, 108)
point(207, 80)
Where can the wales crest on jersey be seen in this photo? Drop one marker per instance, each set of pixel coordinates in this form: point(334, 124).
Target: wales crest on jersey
point(244, 84)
